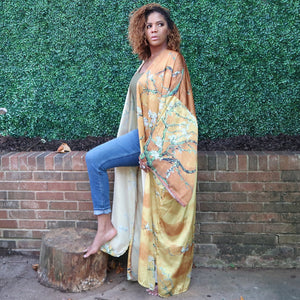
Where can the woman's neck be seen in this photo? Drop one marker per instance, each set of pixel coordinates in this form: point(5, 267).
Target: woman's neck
point(155, 51)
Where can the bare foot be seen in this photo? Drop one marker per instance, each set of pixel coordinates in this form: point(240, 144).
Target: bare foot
point(99, 240)
point(106, 231)
point(153, 292)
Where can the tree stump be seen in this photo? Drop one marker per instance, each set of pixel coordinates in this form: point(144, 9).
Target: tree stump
point(62, 265)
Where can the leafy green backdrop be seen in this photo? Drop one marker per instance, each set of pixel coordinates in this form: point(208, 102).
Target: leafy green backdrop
point(65, 65)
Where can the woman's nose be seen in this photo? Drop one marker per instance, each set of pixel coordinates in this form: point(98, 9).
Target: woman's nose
point(154, 28)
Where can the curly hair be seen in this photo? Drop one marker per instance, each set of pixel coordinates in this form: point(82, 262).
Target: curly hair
point(136, 30)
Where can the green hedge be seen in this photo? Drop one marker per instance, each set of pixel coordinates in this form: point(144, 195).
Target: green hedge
point(65, 65)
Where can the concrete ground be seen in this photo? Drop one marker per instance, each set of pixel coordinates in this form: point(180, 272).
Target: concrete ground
point(19, 281)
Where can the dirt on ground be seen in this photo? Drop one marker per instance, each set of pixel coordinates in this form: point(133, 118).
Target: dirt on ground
point(280, 142)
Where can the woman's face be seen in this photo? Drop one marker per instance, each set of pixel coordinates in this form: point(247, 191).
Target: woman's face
point(156, 30)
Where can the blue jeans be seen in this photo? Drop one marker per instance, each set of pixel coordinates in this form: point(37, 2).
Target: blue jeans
point(123, 151)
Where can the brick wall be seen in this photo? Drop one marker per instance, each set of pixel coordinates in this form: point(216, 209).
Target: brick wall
point(248, 204)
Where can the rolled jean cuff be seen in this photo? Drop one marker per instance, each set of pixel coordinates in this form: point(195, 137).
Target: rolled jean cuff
point(98, 212)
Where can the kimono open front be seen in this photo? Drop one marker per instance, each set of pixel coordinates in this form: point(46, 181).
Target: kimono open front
point(154, 213)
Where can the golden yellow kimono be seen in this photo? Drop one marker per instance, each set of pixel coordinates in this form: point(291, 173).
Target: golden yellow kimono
point(154, 213)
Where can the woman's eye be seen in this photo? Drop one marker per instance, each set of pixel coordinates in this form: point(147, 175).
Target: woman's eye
point(161, 24)
point(148, 26)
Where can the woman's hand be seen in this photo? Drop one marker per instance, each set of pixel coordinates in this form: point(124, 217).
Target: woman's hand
point(143, 165)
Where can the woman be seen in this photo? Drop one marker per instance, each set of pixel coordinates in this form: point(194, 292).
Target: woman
point(154, 205)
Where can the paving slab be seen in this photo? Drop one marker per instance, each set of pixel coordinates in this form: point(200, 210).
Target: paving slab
point(18, 281)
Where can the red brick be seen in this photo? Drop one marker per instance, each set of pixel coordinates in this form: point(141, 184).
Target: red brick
point(79, 215)
point(206, 216)
point(2, 175)
point(284, 187)
point(3, 195)
point(49, 195)
point(262, 162)
point(248, 207)
point(290, 217)
point(61, 224)
point(38, 234)
point(5, 162)
point(273, 162)
point(291, 197)
point(49, 161)
point(23, 162)
point(221, 160)
point(32, 224)
point(242, 162)
point(202, 161)
point(91, 224)
point(205, 176)
point(17, 234)
point(32, 186)
point(233, 217)
point(67, 161)
point(47, 176)
point(31, 160)
point(280, 228)
point(231, 161)
point(290, 176)
point(34, 205)
point(8, 185)
point(3, 214)
point(214, 186)
point(61, 186)
point(289, 239)
point(203, 238)
point(289, 162)
point(29, 244)
point(20, 195)
point(18, 175)
point(48, 215)
point(252, 161)
point(83, 186)
point(264, 197)
point(204, 197)
point(247, 187)
point(231, 197)
point(264, 176)
point(80, 195)
point(231, 176)
point(247, 228)
point(215, 228)
point(63, 205)
point(265, 217)
point(282, 207)
point(9, 204)
point(8, 224)
point(85, 206)
point(14, 165)
point(75, 176)
point(214, 207)
point(78, 161)
point(58, 162)
point(211, 160)
point(111, 174)
point(40, 160)
point(111, 186)
point(21, 214)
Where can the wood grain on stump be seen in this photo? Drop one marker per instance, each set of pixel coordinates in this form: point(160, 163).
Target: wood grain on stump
point(62, 265)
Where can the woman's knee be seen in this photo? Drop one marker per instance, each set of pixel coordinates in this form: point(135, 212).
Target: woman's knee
point(91, 158)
